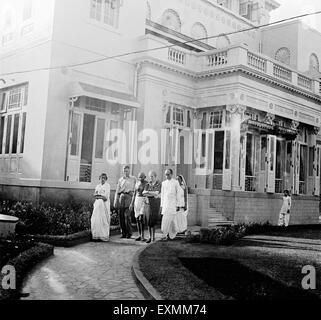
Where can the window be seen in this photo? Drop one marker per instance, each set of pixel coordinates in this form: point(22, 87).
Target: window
point(311, 161)
point(10, 125)
point(75, 134)
point(110, 12)
point(171, 20)
point(178, 116)
point(204, 121)
point(106, 11)
point(168, 115)
point(216, 118)
point(2, 121)
point(13, 101)
point(23, 129)
point(222, 42)
point(199, 32)
point(13, 98)
point(203, 145)
point(8, 134)
point(288, 157)
point(15, 133)
point(100, 137)
point(263, 152)
point(95, 10)
point(188, 119)
point(283, 55)
point(228, 150)
point(249, 169)
point(95, 105)
point(27, 10)
point(314, 63)
point(2, 101)
point(218, 152)
point(246, 9)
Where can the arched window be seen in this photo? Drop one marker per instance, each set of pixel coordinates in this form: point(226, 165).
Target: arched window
point(283, 55)
point(198, 31)
point(222, 42)
point(148, 12)
point(171, 20)
point(314, 63)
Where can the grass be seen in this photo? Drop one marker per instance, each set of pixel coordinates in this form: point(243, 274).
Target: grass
point(180, 270)
point(161, 266)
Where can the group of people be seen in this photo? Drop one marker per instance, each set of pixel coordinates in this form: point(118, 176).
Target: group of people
point(148, 198)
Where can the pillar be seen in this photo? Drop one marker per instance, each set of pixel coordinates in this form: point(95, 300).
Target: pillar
point(237, 115)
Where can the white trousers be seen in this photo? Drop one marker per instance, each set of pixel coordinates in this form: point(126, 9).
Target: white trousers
point(169, 225)
point(284, 219)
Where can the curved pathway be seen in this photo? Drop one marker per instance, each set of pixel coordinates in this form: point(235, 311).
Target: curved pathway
point(95, 270)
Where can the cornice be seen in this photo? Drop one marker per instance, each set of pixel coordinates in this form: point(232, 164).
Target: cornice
point(230, 70)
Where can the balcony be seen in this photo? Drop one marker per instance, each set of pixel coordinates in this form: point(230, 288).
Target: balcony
point(201, 64)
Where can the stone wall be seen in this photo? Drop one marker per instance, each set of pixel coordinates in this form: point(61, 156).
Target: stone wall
point(238, 206)
point(245, 207)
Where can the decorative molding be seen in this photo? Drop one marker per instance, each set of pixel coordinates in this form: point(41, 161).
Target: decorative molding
point(236, 108)
point(72, 101)
point(269, 118)
point(229, 70)
point(295, 125)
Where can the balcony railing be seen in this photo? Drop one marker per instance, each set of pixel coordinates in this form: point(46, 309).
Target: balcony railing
point(228, 58)
point(282, 73)
point(217, 59)
point(176, 56)
point(256, 62)
point(304, 82)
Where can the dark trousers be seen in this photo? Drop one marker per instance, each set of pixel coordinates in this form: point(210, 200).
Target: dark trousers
point(124, 214)
point(125, 221)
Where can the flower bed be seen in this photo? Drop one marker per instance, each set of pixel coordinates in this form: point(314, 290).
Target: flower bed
point(22, 254)
point(227, 235)
point(52, 219)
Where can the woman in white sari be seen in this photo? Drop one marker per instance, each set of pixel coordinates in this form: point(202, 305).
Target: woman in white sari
point(181, 216)
point(100, 219)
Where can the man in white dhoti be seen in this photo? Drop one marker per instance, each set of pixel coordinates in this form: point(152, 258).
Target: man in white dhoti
point(169, 205)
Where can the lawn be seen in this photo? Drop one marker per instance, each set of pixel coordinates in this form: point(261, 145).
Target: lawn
point(265, 266)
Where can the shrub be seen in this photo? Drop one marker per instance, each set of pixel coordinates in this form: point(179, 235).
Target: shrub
point(52, 219)
point(229, 234)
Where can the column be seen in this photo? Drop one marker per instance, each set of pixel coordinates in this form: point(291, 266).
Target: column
point(237, 115)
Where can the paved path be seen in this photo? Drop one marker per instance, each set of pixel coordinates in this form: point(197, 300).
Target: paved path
point(100, 271)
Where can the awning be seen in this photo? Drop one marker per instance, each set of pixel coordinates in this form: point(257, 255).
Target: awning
point(81, 89)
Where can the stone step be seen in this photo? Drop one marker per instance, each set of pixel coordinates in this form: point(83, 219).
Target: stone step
point(221, 223)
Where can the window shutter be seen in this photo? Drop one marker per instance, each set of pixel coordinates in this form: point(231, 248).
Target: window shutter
point(2, 101)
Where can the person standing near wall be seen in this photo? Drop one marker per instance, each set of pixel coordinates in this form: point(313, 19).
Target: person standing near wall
point(123, 198)
point(169, 205)
point(181, 216)
point(138, 204)
point(152, 200)
point(284, 217)
point(100, 219)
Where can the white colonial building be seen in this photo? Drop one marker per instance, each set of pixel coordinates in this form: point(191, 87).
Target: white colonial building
point(236, 108)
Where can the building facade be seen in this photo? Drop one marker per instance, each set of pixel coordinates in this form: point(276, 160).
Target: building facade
point(232, 107)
